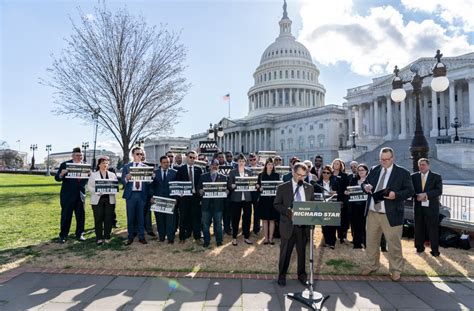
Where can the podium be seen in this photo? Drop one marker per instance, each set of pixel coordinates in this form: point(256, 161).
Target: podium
point(312, 213)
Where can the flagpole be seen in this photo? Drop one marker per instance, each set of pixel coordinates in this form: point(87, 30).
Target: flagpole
point(229, 105)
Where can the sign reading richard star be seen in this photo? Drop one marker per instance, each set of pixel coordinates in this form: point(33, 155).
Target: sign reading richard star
point(106, 186)
point(141, 173)
point(269, 187)
point(78, 170)
point(356, 194)
point(181, 188)
point(245, 183)
point(208, 146)
point(163, 205)
point(214, 190)
point(317, 213)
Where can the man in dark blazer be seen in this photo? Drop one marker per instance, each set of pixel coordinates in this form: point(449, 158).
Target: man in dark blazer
point(386, 214)
point(72, 197)
point(189, 206)
point(135, 195)
point(160, 187)
point(428, 188)
point(212, 208)
point(294, 190)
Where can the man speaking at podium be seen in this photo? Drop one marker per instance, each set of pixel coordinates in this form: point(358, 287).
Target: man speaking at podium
point(294, 190)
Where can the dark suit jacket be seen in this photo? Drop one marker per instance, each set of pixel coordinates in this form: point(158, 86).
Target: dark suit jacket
point(161, 188)
point(237, 196)
point(183, 175)
point(287, 177)
point(219, 203)
point(400, 183)
point(71, 188)
point(127, 193)
point(284, 200)
point(433, 189)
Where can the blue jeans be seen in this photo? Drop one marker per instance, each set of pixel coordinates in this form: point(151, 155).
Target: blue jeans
point(214, 212)
point(135, 209)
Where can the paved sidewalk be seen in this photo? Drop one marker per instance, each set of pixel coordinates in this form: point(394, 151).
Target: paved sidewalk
point(55, 291)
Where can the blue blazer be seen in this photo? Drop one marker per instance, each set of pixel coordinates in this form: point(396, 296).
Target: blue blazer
point(159, 187)
point(71, 188)
point(127, 193)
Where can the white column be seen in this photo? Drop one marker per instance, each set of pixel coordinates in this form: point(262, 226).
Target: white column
point(376, 118)
point(403, 120)
point(460, 103)
point(411, 114)
point(442, 111)
point(290, 91)
point(470, 88)
point(358, 120)
point(434, 114)
point(350, 125)
point(274, 98)
point(265, 139)
point(240, 142)
point(389, 118)
point(452, 104)
point(283, 97)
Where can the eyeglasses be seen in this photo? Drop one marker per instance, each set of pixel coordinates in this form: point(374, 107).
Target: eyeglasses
point(300, 175)
point(252, 159)
point(139, 154)
point(170, 156)
point(326, 173)
point(192, 158)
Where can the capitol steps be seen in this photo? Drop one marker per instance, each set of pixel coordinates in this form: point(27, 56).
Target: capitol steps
point(402, 157)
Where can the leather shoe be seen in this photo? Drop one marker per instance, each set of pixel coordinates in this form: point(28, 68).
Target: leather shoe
point(434, 254)
point(395, 276)
point(383, 249)
point(205, 245)
point(151, 233)
point(303, 280)
point(129, 241)
point(182, 241)
point(281, 282)
point(367, 271)
point(143, 241)
point(170, 241)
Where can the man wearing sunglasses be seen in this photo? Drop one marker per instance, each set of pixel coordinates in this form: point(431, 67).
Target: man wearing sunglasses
point(135, 195)
point(72, 199)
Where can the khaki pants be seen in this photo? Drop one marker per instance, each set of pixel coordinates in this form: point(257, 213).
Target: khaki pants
point(376, 225)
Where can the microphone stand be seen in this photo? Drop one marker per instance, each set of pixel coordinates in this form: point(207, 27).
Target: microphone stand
point(309, 297)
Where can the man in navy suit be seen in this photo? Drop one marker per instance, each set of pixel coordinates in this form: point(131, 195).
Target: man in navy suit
point(135, 195)
point(386, 215)
point(189, 206)
point(212, 208)
point(428, 188)
point(160, 187)
point(72, 199)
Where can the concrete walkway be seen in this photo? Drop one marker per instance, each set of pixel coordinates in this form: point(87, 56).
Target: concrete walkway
point(53, 291)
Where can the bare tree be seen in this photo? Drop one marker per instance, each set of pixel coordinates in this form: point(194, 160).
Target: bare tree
point(131, 71)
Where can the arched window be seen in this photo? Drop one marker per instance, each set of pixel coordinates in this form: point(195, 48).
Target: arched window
point(282, 144)
point(290, 143)
point(301, 143)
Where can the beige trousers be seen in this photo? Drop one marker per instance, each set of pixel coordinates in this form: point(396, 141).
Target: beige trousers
point(376, 225)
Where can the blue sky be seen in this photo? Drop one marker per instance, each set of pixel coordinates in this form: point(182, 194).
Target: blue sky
point(225, 40)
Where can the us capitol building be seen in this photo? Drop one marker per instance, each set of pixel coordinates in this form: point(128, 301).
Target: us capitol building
point(288, 114)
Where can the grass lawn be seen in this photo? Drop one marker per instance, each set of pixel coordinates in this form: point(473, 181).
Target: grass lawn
point(30, 214)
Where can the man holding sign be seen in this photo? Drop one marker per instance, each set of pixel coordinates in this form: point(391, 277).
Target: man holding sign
point(72, 197)
point(213, 188)
point(160, 187)
point(294, 190)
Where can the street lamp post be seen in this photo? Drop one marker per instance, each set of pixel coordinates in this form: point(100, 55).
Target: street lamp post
point(419, 147)
point(354, 135)
point(48, 172)
point(215, 131)
point(141, 141)
point(85, 145)
point(456, 125)
point(33, 147)
point(95, 116)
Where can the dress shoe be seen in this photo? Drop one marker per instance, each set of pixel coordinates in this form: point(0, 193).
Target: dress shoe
point(228, 232)
point(61, 240)
point(161, 240)
point(170, 241)
point(143, 241)
point(234, 242)
point(367, 271)
point(266, 242)
point(395, 276)
point(420, 250)
point(281, 282)
point(205, 245)
point(99, 242)
point(116, 226)
point(151, 233)
point(129, 241)
point(272, 243)
point(247, 241)
point(434, 254)
point(383, 249)
point(182, 241)
point(219, 243)
point(357, 246)
point(303, 280)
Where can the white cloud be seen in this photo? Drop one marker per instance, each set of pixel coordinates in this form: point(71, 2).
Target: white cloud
point(90, 17)
point(109, 145)
point(375, 43)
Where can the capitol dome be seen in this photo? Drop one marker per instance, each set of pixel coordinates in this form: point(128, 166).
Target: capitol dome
point(286, 80)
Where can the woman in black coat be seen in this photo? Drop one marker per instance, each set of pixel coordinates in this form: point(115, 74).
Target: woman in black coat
point(357, 209)
point(327, 183)
point(341, 181)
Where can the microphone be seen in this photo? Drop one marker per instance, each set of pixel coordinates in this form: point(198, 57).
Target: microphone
point(300, 183)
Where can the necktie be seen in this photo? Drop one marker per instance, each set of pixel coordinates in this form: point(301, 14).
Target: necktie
point(137, 183)
point(164, 175)
point(297, 194)
point(213, 177)
point(379, 187)
point(423, 182)
point(191, 179)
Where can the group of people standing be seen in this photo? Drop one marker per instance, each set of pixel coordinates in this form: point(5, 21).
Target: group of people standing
point(193, 215)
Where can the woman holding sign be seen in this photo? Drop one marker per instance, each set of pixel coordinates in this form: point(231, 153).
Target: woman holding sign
point(265, 202)
point(103, 187)
point(357, 208)
point(326, 185)
point(240, 200)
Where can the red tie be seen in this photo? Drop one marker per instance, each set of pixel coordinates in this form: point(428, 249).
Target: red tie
point(137, 183)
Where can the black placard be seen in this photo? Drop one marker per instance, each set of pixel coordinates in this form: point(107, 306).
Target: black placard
point(208, 146)
point(163, 205)
point(106, 186)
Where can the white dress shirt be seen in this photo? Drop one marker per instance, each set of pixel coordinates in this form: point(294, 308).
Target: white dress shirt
point(300, 190)
point(387, 177)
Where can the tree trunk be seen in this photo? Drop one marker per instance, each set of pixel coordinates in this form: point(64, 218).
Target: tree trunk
point(126, 154)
